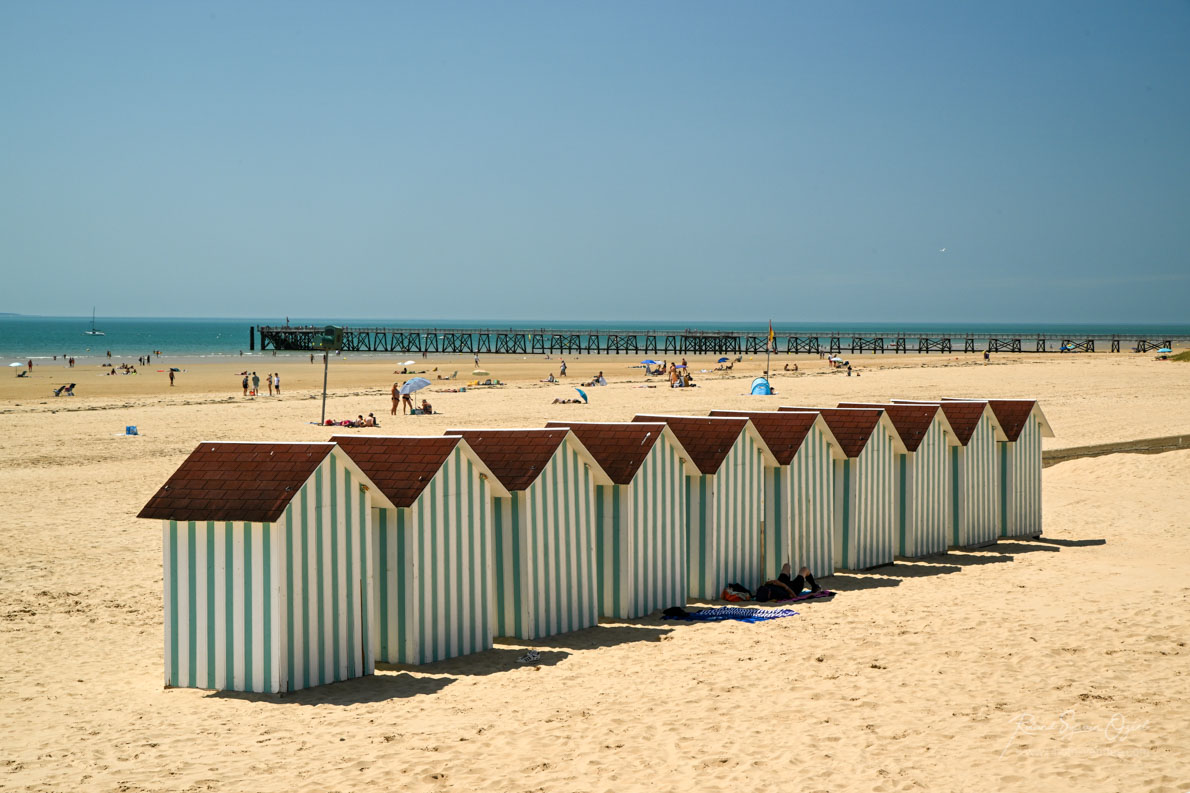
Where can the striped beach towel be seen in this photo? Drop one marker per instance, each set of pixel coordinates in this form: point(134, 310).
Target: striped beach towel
point(737, 613)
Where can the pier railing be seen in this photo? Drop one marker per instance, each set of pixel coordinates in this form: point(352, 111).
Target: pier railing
point(692, 341)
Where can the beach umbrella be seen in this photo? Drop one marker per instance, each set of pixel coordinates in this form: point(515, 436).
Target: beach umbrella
point(416, 384)
point(723, 360)
point(480, 371)
point(680, 366)
point(1163, 349)
point(174, 369)
point(407, 363)
point(16, 363)
point(650, 362)
point(583, 394)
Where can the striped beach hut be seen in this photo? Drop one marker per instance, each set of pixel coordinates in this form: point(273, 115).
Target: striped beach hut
point(799, 505)
point(267, 559)
point(974, 474)
point(640, 518)
point(543, 532)
point(922, 477)
point(1019, 459)
point(432, 581)
point(723, 500)
point(865, 485)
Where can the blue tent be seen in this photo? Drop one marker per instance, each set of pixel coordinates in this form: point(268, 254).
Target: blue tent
point(760, 386)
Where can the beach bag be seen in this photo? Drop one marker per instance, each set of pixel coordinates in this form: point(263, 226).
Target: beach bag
point(735, 593)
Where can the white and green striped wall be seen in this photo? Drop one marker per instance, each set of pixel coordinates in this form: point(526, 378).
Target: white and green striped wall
point(544, 550)
point(799, 507)
point(273, 607)
point(975, 483)
point(1020, 480)
point(640, 536)
point(433, 582)
point(865, 499)
point(723, 520)
point(923, 496)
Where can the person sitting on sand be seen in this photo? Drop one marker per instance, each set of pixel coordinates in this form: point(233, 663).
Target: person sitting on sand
point(560, 401)
point(426, 408)
point(370, 421)
point(549, 379)
point(784, 588)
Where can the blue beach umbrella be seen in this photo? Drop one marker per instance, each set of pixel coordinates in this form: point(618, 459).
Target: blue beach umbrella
point(650, 362)
point(723, 360)
point(1164, 349)
point(583, 394)
point(416, 384)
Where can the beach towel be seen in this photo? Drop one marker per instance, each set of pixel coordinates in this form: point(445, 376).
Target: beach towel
point(822, 593)
point(738, 613)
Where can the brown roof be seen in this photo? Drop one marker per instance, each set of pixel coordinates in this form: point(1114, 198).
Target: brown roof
point(1013, 414)
point(236, 481)
point(515, 457)
point(912, 421)
point(851, 428)
point(399, 467)
point(620, 448)
point(706, 440)
point(783, 432)
point(963, 416)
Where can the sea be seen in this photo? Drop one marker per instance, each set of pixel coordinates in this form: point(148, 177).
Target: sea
point(127, 338)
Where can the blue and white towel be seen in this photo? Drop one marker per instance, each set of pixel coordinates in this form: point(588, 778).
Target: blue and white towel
point(738, 613)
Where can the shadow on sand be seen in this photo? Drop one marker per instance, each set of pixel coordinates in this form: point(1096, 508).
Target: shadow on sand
point(373, 688)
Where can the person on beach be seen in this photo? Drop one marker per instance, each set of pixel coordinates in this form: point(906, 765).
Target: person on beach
point(562, 369)
point(785, 588)
point(277, 383)
point(406, 404)
point(245, 384)
point(426, 408)
point(396, 399)
point(269, 379)
point(256, 384)
point(171, 378)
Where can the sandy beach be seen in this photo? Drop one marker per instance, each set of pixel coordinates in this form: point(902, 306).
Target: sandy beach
point(1050, 666)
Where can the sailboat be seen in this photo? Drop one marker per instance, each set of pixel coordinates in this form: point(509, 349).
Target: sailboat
point(93, 331)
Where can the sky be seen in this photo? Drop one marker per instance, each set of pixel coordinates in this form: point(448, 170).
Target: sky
point(641, 161)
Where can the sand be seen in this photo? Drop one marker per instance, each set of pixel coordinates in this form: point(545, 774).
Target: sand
point(1050, 666)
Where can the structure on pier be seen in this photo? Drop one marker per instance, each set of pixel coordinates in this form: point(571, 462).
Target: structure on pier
point(549, 341)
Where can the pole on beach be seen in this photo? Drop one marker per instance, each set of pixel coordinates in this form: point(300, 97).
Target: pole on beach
point(768, 350)
point(326, 362)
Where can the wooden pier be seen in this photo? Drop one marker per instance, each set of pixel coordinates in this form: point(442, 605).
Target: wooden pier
point(542, 341)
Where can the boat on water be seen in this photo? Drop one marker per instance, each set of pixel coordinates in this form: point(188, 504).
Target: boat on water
point(94, 331)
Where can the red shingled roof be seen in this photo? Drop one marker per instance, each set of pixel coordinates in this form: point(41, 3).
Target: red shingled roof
point(620, 448)
point(783, 432)
point(236, 481)
point(707, 440)
point(515, 457)
point(851, 428)
point(401, 468)
point(912, 421)
point(1013, 414)
point(963, 416)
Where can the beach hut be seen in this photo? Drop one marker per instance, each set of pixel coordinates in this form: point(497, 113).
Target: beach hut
point(1019, 459)
point(723, 500)
point(864, 485)
point(640, 518)
point(922, 489)
point(543, 532)
point(267, 559)
point(799, 506)
point(432, 581)
point(974, 475)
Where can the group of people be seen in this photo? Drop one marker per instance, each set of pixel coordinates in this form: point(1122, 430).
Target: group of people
point(272, 380)
point(679, 376)
point(360, 421)
point(121, 369)
point(406, 403)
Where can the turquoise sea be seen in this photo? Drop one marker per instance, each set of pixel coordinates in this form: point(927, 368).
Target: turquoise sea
point(24, 337)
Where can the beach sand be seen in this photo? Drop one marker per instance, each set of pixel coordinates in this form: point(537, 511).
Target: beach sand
point(1049, 666)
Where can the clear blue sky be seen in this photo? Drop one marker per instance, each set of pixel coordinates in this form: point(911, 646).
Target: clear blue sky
point(601, 161)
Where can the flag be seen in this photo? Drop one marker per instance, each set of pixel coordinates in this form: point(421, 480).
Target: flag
point(772, 338)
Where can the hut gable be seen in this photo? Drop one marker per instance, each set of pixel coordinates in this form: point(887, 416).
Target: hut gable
point(783, 432)
point(851, 427)
point(912, 421)
point(401, 467)
point(707, 440)
point(963, 416)
point(236, 481)
point(620, 448)
point(1013, 415)
point(515, 457)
